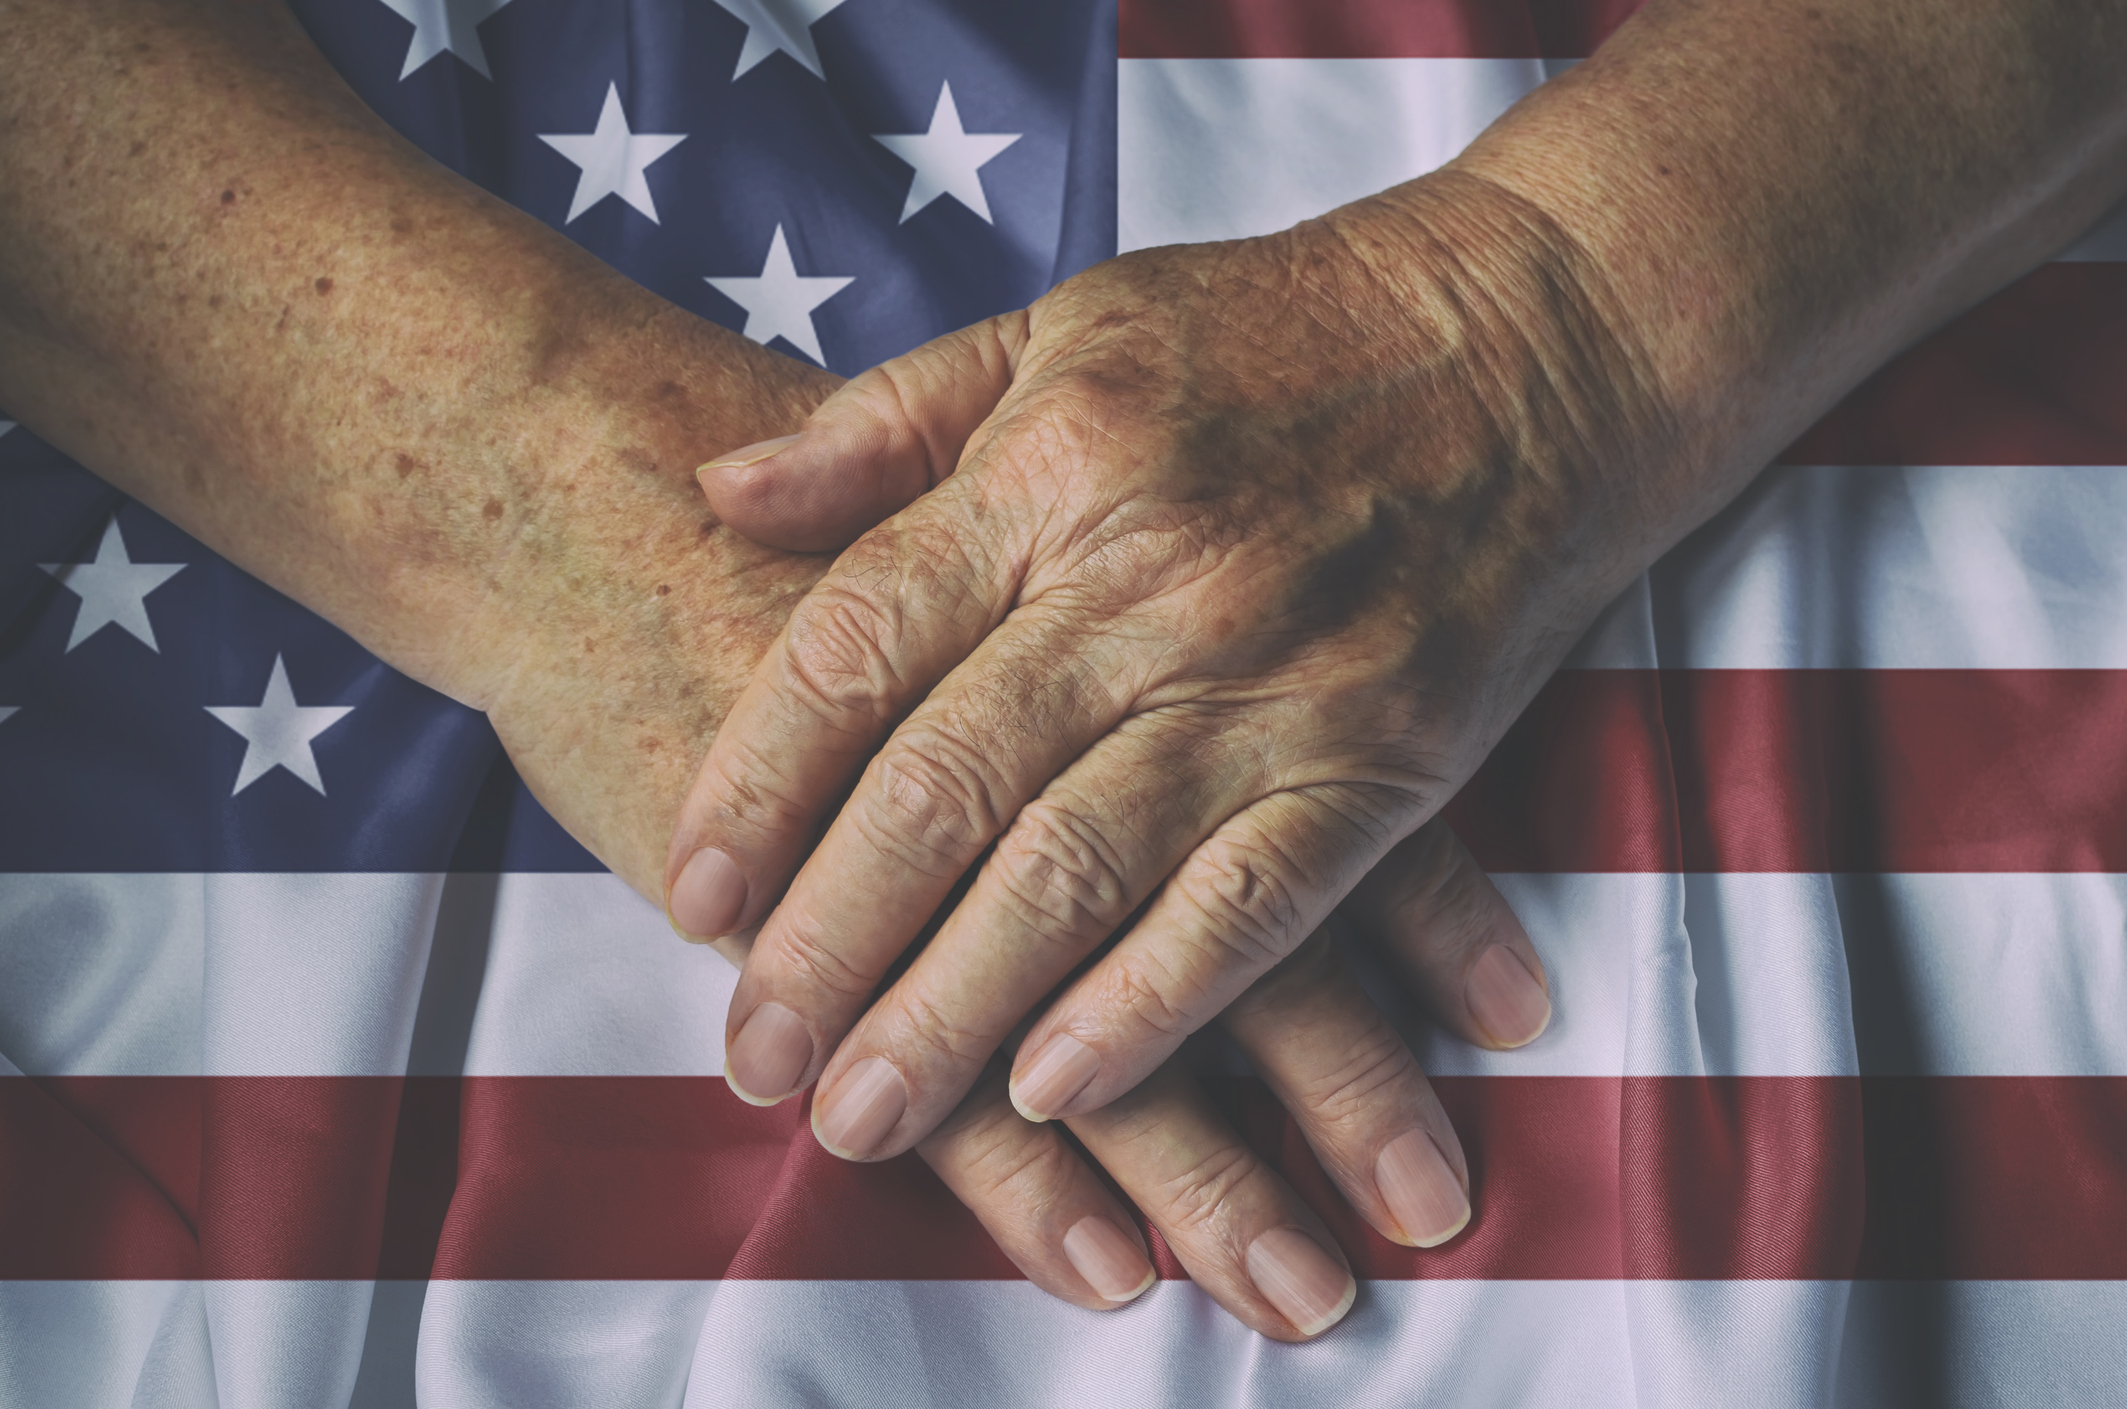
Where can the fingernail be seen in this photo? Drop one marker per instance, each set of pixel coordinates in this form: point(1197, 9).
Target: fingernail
point(853, 1118)
point(771, 1052)
point(708, 896)
point(1305, 1283)
point(1108, 1259)
point(1059, 1071)
point(1421, 1190)
point(748, 455)
point(1505, 998)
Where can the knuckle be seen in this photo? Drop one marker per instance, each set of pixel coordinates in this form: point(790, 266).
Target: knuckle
point(753, 790)
point(1063, 873)
point(998, 1163)
point(807, 954)
point(1366, 815)
point(924, 559)
point(940, 1027)
point(1370, 1074)
point(1013, 1173)
point(1449, 903)
point(1248, 899)
point(1150, 999)
point(839, 653)
point(936, 801)
point(1310, 973)
point(1200, 1202)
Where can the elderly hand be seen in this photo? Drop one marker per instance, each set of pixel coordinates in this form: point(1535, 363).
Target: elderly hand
point(1252, 553)
point(1241, 556)
point(512, 518)
point(1354, 1091)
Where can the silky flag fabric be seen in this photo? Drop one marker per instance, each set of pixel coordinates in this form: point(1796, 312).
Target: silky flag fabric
point(332, 1072)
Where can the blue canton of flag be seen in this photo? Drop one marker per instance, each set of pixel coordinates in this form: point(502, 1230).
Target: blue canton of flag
point(927, 165)
point(840, 180)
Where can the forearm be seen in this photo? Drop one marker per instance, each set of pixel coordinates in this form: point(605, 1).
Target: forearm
point(1757, 204)
point(227, 288)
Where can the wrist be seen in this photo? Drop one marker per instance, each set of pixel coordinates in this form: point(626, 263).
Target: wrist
point(1508, 324)
point(619, 618)
point(574, 504)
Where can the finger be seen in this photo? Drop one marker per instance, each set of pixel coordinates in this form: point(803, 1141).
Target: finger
point(934, 798)
point(1076, 861)
point(1451, 936)
point(870, 449)
point(897, 611)
point(1356, 1093)
point(1238, 905)
point(1240, 1230)
point(1048, 1211)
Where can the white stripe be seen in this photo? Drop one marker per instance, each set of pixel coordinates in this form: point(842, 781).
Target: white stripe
point(506, 1345)
point(277, 1343)
point(1755, 975)
point(1955, 567)
point(941, 1345)
point(1688, 1344)
point(313, 975)
point(1211, 149)
point(332, 975)
point(1996, 975)
point(89, 1345)
point(1217, 149)
point(585, 977)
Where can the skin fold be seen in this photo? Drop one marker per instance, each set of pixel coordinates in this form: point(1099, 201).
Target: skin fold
point(1204, 582)
point(226, 288)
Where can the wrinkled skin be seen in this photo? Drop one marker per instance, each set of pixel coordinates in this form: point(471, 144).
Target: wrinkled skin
point(1232, 560)
point(1243, 557)
point(229, 290)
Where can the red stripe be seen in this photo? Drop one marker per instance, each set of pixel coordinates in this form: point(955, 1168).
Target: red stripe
point(1366, 29)
point(2032, 376)
point(1808, 771)
point(643, 1177)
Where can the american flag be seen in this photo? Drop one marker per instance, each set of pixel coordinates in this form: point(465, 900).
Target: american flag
point(332, 1072)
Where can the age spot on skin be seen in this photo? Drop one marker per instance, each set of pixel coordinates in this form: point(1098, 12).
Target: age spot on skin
point(228, 198)
point(404, 463)
point(492, 510)
point(323, 286)
point(664, 589)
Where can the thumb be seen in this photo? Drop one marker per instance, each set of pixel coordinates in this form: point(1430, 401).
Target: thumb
point(871, 448)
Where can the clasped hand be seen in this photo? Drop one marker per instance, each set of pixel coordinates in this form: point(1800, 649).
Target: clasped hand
point(1201, 586)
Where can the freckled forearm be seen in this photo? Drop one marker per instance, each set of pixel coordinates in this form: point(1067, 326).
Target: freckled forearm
point(228, 289)
point(1700, 239)
point(1776, 196)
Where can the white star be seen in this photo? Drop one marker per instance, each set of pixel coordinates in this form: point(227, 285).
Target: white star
point(277, 732)
point(948, 160)
point(781, 301)
point(113, 589)
point(613, 159)
point(441, 25)
point(779, 24)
